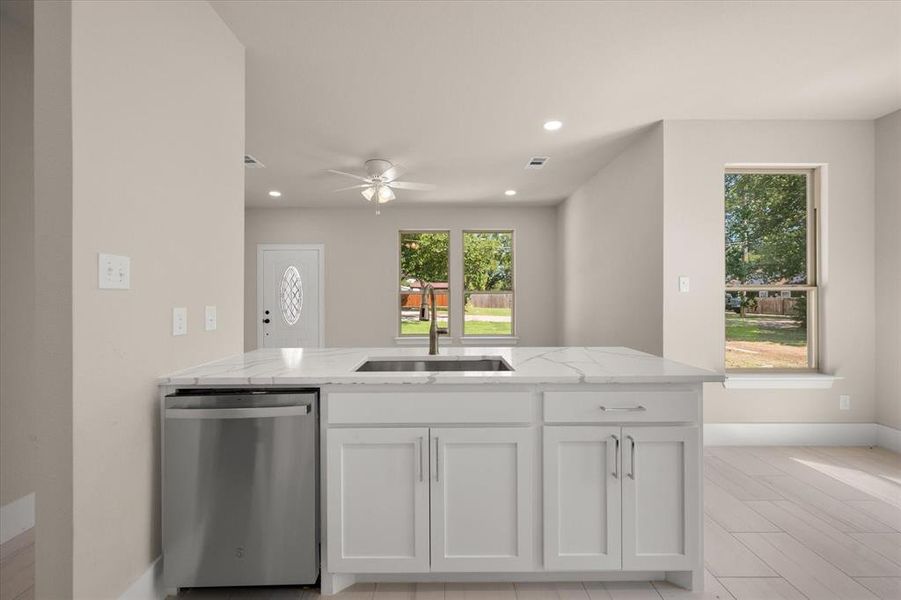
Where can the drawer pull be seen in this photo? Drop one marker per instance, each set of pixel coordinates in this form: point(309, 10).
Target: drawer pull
point(638, 408)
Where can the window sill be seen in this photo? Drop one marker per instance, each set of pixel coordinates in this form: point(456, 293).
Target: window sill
point(489, 340)
point(779, 381)
point(422, 340)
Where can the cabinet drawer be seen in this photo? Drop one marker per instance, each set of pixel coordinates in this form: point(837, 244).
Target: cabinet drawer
point(345, 408)
point(626, 406)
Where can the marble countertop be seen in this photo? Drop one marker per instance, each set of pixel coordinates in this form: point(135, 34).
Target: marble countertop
point(550, 365)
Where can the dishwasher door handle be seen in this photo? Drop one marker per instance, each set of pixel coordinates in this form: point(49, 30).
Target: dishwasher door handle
point(249, 412)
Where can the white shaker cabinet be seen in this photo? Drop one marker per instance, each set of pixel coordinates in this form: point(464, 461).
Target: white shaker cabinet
point(481, 499)
point(661, 467)
point(378, 491)
point(582, 474)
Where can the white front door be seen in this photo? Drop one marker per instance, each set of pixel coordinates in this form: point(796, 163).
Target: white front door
point(289, 296)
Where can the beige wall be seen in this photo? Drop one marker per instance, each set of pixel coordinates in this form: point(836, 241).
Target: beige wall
point(17, 426)
point(888, 270)
point(158, 140)
point(361, 262)
point(611, 252)
point(695, 153)
point(53, 297)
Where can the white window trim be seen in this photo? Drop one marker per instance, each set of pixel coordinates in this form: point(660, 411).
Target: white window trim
point(477, 340)
point(779, 381)
point(816, 174)
point(490, 340)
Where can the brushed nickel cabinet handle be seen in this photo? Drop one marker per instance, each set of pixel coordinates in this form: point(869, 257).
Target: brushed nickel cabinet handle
point(615, 458)
point(638, 408)
point(632, 461)
point(419, 449)
point(437, 459)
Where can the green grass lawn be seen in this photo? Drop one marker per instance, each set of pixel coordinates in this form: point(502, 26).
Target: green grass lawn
point(472, 328)
point(765, 328)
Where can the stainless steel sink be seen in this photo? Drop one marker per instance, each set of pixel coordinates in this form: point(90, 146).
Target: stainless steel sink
point(435, 364)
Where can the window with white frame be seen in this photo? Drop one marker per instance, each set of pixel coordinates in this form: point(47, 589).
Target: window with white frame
point(424, 259)
point(771, 268)
point(488, 297)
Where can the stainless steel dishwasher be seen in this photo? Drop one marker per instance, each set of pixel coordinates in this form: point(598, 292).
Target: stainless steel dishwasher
point(240, 499)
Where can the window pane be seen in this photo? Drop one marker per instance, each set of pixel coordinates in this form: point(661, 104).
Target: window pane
point(412, 304)
point(488, 314)
point(766, 228)
point(424, 258)
point(767, 330)
point(488, 261)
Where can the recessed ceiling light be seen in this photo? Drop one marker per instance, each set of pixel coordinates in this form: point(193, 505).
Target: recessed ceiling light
point(510, 193)
point(553, 125)
point(275, 193)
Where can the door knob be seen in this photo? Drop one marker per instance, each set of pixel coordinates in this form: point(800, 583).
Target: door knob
point(265, 320)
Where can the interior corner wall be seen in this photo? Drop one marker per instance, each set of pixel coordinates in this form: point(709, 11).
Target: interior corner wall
point(361, 263)
point(17, 276)
point(53, 321)
point(695, 155)
point(157, 146)
point(610, 234)
point(888, 270)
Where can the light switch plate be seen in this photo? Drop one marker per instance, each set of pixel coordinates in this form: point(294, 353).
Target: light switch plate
point(113, 272)
point(179, 320)
point(683, 284)
point(844, 402)
point(209, 321)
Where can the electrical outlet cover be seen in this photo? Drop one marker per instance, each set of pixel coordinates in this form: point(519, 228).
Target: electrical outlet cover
point(209, 321)
point(844, 402)
point(179, 320)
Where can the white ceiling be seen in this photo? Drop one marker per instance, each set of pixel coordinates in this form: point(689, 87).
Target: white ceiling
point(458, 91)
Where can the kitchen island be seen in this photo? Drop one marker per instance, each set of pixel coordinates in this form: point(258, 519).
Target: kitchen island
point(576, 464)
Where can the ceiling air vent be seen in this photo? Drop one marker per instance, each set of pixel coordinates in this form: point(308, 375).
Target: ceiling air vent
point(536, 162)
point(252, 163)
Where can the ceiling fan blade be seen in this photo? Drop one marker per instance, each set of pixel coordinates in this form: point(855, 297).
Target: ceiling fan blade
point(352, 187)
point(392, 173)
point(359, 177)
point(411, 185)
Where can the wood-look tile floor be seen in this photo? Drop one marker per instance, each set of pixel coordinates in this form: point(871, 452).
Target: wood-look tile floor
point(781, 523)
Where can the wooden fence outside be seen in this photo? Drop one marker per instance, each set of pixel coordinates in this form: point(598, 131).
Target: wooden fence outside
point(774, 306)
point(491, 300)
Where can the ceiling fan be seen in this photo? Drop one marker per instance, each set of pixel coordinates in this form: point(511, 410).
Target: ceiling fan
point(380, 181)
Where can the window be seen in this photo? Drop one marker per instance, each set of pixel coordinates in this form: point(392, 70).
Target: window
point(771, 293)
point(424, 259)
point(488, 283)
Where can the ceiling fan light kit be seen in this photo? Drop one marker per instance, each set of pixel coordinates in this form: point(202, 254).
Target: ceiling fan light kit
point(380, 181)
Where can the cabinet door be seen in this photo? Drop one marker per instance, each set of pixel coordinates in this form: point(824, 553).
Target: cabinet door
point(661, 497)
point(582, 521)
point(378, 500)
point(482, 499)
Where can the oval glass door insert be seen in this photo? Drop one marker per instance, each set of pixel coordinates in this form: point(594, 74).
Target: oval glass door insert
point(291, 295)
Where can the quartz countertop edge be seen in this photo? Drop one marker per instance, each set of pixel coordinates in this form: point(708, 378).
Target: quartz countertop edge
point(531, 366)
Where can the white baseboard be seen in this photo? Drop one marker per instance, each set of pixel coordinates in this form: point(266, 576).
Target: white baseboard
point(149, 586)
point(791, 434)
point(888, 438)
point(16, 517)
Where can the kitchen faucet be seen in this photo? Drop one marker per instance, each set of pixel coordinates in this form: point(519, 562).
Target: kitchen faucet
point(433, 325)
